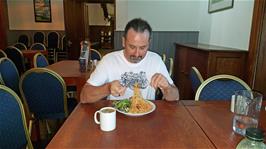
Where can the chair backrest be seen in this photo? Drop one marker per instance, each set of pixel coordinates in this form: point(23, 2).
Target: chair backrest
point(44, 91)
point(9, 74)
point(20, 46)
point(38, 46)
point(39, 37)
point(95, 55)
point(13, 126)
point(195, 78)
point(53, 40)
point(2, 53)
point(17, 57)
point(164, 57)
point(39, 60)
point(171, 66)
point(220, 87)
point(24, 38)
point(64, 43)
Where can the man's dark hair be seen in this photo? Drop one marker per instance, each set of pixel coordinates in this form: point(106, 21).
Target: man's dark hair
point(139, 25)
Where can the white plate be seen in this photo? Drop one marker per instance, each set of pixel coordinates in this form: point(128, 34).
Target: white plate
point(139, 114)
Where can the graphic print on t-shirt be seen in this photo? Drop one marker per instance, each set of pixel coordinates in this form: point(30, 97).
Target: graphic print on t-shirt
point(128, 79)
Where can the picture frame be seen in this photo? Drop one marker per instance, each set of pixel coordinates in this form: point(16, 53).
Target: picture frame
point(219, 5)
point(42, 10)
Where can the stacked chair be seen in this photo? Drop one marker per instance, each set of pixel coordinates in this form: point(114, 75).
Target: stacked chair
point(24, 38)
point(39, 37)
point(13, 125)
point(220, 87)
point(62, 53)
point(17, 57)
point(53, 39)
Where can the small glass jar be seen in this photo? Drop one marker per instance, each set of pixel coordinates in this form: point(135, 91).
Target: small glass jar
point(253, 140)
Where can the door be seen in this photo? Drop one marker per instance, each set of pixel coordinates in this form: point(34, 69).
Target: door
point(74, 26)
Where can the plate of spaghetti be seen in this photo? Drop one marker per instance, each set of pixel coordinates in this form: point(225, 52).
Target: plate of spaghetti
point(135, 106)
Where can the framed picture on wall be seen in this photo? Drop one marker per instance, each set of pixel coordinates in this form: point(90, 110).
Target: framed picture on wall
point(42, 10)
point(218, 5)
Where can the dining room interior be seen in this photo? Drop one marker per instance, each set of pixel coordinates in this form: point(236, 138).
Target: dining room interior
point(227, 40)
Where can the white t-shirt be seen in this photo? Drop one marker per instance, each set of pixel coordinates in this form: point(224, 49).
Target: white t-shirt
point(114, 65)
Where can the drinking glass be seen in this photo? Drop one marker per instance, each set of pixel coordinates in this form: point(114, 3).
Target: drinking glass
point(246, 111)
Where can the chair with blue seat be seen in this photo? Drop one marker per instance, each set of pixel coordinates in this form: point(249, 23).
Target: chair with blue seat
point(44, 91)
point(62, 53)
point(20, 46)
point(95, 55)
point(195, 78)
point(17, 57)
point(39, 60)
point(53, 40)
point(9, 74)
point(37, 46)
point(13, 125)
point(220, 87)
point(2, 53)
point(39, 37)
point(25, 39)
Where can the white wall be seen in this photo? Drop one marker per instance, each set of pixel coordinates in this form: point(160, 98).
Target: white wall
point(163, 15)
point(229, 28)
point(21, 16)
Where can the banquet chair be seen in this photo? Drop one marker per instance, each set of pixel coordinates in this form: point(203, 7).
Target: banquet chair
point(1, 80)
point(164, 57)
point(195, 78)
point(62, 53)
point(39, 60)
point(171, 66)
point(39, 37)
point(44, 91)
point(24, 38)
point(9, 74)
point(95, 55)
point(20, 46)
point(17, 57)
point(2, 53)
point(13, 125)
point(53, 40)
point(37, 46)
point(220, 87)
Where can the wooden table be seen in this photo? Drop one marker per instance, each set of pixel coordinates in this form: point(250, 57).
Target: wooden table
point(215, 119)
point(169, 126)
point(29, 54)
point(69, 71)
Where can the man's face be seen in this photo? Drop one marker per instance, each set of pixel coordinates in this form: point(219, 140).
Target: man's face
point(136, 45)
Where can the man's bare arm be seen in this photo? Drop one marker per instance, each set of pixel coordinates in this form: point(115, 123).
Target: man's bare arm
point(90, 93)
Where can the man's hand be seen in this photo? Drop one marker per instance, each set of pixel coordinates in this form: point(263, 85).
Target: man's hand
point(159, 81)
point(117, 89)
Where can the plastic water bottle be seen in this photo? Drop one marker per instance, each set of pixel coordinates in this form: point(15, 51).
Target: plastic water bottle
point(253, 140)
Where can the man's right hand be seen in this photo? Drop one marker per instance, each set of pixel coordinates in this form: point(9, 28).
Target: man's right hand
point(117, 89)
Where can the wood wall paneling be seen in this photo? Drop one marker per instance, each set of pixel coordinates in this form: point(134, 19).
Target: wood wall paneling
point(210, 61)
point(74, 26)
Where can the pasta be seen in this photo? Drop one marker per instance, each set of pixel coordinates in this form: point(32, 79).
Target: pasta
point(138, 104)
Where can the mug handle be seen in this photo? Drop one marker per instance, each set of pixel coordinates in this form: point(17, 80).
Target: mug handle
point(95, 117)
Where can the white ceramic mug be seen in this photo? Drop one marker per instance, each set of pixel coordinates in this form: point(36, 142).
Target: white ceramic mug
point(107, 118)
